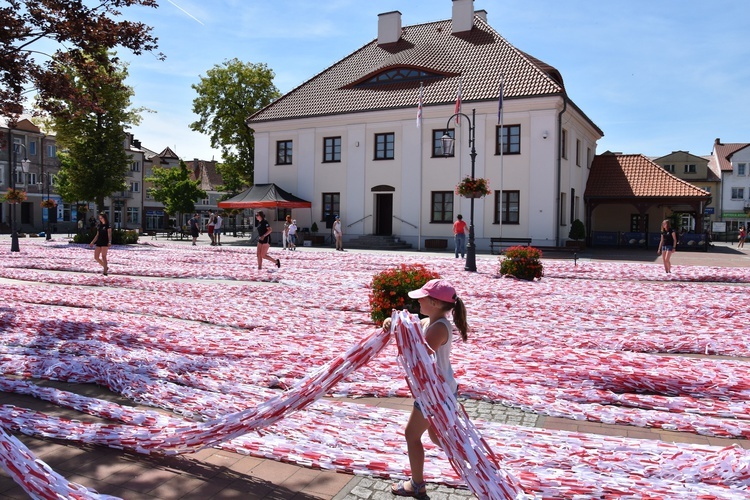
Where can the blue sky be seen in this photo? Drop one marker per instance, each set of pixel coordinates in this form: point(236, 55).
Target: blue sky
point(656, 76)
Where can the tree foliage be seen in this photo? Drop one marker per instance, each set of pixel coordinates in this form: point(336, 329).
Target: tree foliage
point(83, 32)
point(227, 96)
point(174, 189)
point(95, 164)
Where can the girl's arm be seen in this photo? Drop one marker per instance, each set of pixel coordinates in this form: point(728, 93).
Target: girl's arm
point(436, 335)
point(109, 237)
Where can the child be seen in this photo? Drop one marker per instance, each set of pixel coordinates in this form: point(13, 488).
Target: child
point(292, 235)
point(437, 299)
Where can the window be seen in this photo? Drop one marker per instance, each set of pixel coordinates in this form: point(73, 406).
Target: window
point(399, 75)
point(576, 204)
point(67, 213)
point(507, 205)
point(31, 179)
point(32, 148)
point(281, 213)
point(437, 143)
point(635, 223)
point(384, 146)
point(741, 168)
point(331, 204)
point(573, 199)
point(689, 169)
point(738, 193)
point(135, 187)
point(51, 151)
point(563, 208)
point(442, 207)
point(133, 215)
point(564, 144)
point(578, 152)
point(331, 150)
point(150, 193)
point(509, 138)
point(20, 177)
point(135, 166)
point(284, 153)
point(669, 168)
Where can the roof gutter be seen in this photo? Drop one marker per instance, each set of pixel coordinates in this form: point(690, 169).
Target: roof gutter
point(559, 166)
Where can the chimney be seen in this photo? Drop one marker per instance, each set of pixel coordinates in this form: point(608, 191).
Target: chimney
point(389, 27)
point(482, 14)
point(463, 15)
point(717, 142)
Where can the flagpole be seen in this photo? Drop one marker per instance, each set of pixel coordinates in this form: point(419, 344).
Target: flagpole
point(421, 155)
point(502, 147)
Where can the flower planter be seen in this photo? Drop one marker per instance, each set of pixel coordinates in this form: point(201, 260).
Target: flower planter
point(475, 194)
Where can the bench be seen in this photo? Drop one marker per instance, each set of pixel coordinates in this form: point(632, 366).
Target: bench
point(507, 242)
point(436, 244)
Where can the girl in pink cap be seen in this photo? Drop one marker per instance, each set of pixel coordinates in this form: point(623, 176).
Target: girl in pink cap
point(437, 299)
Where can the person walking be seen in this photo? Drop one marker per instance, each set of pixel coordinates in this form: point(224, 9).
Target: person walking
point(102, 240)
point(338, 234)
point(264, 240)
point(459, 233)
point(667, 245)
point(437, 301)
point(743, 235)
point(211, 226)
point(194, 228)
point(285, 233)
point(218, 227)
point(292, 235)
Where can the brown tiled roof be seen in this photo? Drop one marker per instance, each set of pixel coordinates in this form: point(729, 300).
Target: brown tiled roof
point(724, 153)
point(635, 176)
point(476, 59)
point(206, 172)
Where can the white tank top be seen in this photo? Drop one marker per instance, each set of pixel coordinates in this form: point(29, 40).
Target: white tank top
point(443, 356)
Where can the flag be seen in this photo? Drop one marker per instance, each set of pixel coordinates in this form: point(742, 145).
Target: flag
point(419, 106)
point(458, 104)
point(500, 106)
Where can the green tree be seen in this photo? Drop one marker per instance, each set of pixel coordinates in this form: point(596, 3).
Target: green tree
point(95, 164)
point(74, 30)
point(174, 189)
point(227, 96)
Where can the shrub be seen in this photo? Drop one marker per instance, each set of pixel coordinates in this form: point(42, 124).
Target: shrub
point(314, 227)
point(522, 262)
point(391, 287)
point(119, 237)
point(577, 230)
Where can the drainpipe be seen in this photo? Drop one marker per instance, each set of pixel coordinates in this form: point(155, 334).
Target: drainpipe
point(559, 167)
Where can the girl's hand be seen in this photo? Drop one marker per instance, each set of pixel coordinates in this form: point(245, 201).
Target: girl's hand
point(387, 324)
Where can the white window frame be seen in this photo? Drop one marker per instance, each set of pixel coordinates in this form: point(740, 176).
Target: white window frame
point(742, 169)
point(738, 193)
point(135, 187)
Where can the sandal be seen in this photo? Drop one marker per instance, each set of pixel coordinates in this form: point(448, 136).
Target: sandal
point(419, 490)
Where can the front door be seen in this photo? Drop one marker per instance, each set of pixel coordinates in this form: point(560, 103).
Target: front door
point(384, 214)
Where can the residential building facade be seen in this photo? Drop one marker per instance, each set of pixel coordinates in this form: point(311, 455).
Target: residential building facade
point(695, 170)
point(350, 141)
point(733, 161)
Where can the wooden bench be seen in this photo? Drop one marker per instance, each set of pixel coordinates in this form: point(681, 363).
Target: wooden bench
point(436, 244)
point(507, 242)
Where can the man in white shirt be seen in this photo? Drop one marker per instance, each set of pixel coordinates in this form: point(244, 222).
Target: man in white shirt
point(217, 229)
point(338, 234)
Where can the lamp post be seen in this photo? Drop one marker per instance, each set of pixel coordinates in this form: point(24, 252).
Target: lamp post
point(447, 143)
point(14, 246)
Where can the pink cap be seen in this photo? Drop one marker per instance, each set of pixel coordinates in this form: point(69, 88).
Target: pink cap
point(437, 289)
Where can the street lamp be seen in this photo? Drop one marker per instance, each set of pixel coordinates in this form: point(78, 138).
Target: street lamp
point(447, 143)
point(14, 246)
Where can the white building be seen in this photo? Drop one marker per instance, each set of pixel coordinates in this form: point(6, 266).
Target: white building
point(348, 140)
point(733, 161)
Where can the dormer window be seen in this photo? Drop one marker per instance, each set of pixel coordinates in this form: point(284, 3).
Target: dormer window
point(398, 75)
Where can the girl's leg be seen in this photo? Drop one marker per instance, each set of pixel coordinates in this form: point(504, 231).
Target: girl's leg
point(415, 428)
point(667, 262)
point(97, 253)
point(104, 259)
point(259, 254)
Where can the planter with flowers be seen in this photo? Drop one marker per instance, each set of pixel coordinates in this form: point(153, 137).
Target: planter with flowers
point(473, 188)
point(522, 262)
point(48, 203)
point(14, 196)
point(391, 287)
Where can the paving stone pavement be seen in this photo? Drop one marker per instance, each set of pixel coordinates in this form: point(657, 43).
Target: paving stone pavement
point(367, 488)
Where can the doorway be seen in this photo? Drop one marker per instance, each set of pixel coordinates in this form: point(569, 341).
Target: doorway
point(384, 214)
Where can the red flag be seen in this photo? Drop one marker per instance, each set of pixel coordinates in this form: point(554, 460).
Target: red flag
point(458, 104)
point(419, 106)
